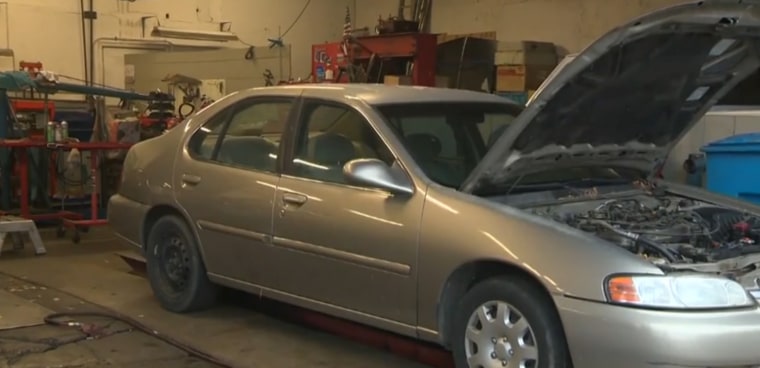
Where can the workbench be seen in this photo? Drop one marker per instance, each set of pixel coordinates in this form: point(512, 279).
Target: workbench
point(69, 220)
point(372, 51)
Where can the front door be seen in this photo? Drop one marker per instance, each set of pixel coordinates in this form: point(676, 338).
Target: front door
point(352, 247)
point(227, 178)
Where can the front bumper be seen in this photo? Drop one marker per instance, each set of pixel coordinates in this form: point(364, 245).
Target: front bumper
point(126, 217)
point(601, 336)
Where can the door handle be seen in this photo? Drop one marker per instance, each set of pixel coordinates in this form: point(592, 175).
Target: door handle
point(191, 179)
point(293, 198)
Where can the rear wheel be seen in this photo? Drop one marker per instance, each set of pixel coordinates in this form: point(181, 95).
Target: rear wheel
point(508, 322)
point(175, 268)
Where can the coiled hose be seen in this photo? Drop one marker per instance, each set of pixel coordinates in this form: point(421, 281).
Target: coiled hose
point(57, 319)
point(182, 110)
point(638, 239)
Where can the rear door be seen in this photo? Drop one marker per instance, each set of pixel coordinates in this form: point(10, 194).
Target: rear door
point(227, 177)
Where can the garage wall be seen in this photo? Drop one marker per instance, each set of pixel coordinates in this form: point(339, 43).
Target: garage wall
point(50, 31)
point(227, 65)
point(571, 24)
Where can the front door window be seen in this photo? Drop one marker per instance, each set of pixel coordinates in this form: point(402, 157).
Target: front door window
point(333, 135)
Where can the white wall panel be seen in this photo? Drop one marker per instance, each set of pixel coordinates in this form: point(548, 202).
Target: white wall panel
point(50, 31)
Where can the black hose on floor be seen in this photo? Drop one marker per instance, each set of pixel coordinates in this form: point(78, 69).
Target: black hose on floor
point(59, 319)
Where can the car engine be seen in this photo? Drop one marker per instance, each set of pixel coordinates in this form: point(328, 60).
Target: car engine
point(672, 232)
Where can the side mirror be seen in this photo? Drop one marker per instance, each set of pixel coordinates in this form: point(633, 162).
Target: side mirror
point(373, 173)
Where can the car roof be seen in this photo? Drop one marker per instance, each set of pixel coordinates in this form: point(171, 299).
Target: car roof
point(381, 94)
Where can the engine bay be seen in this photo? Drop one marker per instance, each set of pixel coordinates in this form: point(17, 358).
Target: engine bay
point(672, 232)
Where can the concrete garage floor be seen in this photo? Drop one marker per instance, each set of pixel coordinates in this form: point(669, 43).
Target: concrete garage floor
point(24, 342)
point(79, 277)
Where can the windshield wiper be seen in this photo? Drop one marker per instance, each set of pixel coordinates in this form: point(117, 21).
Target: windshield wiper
point(595, 181)
point(572, 185)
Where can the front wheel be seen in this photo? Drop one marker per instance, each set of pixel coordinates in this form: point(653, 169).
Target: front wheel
point(175, 268)
point(508, 322)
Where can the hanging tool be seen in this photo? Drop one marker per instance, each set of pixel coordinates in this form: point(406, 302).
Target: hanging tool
point(251, 53)
point(268, 78)
point(275, 42)
point(278, 41)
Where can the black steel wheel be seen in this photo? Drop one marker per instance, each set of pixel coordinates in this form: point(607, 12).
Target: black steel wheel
point(175, 268)
point(508, 322)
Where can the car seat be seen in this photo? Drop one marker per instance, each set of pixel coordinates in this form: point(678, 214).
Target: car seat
point(250, 152)
point(206, 147)
point(330, 151)
point(426, 149)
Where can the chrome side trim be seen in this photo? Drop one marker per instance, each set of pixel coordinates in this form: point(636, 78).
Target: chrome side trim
point(126, 240)
point(428, 335)
point(212, 226)
point(317, 306)
point(358, 259)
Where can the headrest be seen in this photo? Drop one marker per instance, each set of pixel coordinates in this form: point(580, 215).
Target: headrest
point(424, 145)
point(331, 149)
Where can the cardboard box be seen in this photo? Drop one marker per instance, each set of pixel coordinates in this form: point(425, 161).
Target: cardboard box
point(526, 53)
point(397, 80)
point(520, 78)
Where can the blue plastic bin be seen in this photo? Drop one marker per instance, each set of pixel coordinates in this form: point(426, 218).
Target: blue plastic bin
point(516, 97)
point(733, 166)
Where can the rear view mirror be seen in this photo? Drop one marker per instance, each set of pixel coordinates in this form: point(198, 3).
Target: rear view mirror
point(373, 173)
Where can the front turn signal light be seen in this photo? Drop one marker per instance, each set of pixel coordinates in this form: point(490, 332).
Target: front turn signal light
point(677, 291)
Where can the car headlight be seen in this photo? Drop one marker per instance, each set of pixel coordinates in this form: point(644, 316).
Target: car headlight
point(677, 291)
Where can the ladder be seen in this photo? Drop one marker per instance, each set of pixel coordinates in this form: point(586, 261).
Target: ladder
point(420, 9)
point(15, 227)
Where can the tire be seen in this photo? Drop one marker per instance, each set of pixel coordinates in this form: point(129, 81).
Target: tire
point(503, 345)
point(175, 268)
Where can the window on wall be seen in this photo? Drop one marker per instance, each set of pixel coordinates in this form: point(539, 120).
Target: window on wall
point(247, 137)
point(331, 136)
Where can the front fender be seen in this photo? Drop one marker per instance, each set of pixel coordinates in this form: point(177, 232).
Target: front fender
point(458, 228)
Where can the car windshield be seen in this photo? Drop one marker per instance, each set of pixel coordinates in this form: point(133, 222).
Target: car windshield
point(449, 139)
point(567, 178)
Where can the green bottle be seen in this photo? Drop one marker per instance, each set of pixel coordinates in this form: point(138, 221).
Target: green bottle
point(50, 132)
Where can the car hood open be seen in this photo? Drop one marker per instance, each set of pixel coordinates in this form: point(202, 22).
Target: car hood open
point(630, 96)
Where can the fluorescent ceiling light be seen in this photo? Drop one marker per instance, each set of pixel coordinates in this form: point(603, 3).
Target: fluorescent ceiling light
point(188, 34)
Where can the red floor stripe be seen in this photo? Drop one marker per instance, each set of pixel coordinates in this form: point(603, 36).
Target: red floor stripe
point(405, 347)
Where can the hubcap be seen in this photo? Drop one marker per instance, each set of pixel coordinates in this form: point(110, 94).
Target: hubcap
point(176, 262)
point(499, 336)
